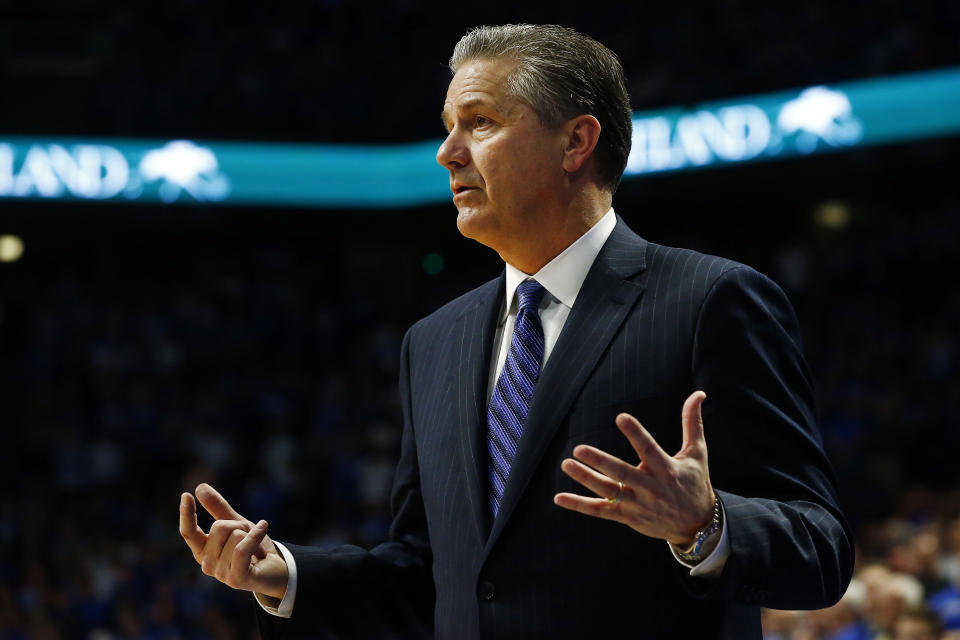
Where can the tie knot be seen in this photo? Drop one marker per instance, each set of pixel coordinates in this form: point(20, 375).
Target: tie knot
point(530, 292)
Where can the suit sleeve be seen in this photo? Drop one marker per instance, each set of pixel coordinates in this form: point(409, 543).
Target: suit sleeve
point(386, 592)
point(790, 546)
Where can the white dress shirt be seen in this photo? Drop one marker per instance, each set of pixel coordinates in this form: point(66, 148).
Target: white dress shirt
point(562, 278)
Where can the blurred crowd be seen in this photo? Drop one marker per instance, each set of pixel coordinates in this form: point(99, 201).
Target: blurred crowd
point(133, 382)
point(270, 372)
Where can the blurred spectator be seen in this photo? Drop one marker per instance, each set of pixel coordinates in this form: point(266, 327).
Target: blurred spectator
point(918, 624)
point(844, 620)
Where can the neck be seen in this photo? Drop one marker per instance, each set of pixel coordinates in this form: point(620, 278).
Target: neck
point(544, 244)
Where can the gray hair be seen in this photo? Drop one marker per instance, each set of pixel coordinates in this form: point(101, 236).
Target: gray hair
point(561, 74)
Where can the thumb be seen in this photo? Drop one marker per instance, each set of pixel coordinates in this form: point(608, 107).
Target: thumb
point(269, 578)
point(692, 419)
point(215, 504)
point(250, 545)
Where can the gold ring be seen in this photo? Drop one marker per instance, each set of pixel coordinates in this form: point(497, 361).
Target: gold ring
point(615, 499)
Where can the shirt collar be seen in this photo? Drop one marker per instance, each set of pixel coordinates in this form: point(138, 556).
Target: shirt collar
point(563, 276)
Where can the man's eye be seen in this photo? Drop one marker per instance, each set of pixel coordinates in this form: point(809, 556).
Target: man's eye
point(481, 121)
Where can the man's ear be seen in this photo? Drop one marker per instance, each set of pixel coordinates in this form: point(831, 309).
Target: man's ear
point(582, 135)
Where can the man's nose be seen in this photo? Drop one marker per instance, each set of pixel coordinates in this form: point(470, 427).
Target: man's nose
point(452, 153)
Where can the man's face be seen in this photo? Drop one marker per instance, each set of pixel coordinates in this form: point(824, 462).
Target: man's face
point(506, 169)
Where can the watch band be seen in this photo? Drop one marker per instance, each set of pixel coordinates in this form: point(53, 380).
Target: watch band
point(706, 539)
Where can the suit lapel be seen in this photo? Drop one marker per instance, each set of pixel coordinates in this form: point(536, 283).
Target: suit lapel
point(475, 331)
point(605, 299)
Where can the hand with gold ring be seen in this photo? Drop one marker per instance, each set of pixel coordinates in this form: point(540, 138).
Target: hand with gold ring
point(663, 496)
point(615, 499)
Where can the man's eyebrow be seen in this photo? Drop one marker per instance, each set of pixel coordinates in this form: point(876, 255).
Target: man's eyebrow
point(466, 105)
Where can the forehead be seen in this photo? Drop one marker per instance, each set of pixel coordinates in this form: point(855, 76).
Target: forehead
point(483, 82)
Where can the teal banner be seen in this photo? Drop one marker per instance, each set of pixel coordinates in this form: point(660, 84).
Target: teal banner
point(766, 127)
point(801, 122)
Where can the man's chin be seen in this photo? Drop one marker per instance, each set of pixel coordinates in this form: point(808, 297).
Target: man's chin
point(474, 225)
point(467, 221)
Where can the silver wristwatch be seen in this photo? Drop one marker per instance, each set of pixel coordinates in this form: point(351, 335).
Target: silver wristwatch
point(706, 539)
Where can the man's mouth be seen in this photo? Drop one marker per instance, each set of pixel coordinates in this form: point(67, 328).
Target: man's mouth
point(460, 188)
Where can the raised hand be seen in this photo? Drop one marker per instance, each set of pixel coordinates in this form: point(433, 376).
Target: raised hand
point(662, 497)
point(236, 551)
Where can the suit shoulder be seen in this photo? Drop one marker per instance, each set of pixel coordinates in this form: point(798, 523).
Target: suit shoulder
point(687, 265)
point(698, 276)
point(683, 261)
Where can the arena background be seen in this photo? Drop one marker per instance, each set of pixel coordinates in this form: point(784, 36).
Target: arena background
point(146, 348)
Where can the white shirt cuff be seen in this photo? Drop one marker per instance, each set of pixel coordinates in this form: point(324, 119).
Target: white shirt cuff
point(282, 608)
point(712, 565)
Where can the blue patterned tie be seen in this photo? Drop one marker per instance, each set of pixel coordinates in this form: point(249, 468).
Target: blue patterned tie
point(511, 397)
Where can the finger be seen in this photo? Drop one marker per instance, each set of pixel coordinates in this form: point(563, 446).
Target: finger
point(219, 533)
point(224, 570)
point(642, 442)
point(596, 507)
point(596, 482)
point(215, 504)
point(192, 534)
point(692, 420)
point(244, 551)
point(610, 466)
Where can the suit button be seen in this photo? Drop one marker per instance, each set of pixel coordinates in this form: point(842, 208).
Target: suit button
point(487, 592)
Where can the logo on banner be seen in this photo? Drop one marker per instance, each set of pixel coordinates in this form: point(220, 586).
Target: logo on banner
point(100, 172)
point(820, 114)
point(182, 166)
point(742, 132)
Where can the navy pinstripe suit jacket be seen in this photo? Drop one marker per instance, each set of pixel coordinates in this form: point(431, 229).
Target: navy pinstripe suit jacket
point(651, 324)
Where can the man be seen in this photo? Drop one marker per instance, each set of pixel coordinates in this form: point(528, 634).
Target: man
point(569, 373)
